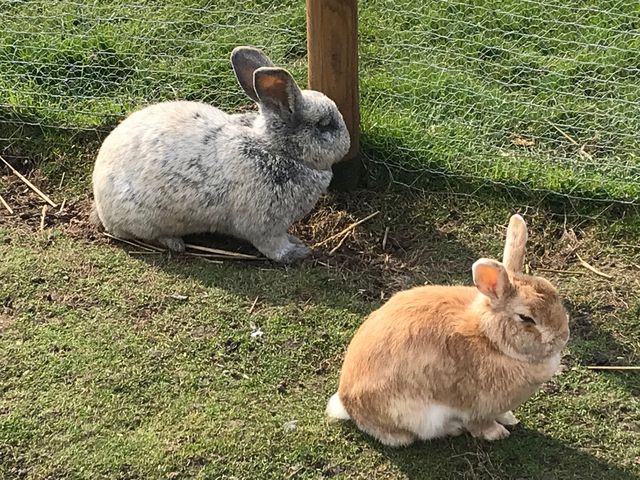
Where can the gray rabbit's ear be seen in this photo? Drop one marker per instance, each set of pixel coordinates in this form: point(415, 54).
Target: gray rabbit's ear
point(277, 91)
point(245, 61)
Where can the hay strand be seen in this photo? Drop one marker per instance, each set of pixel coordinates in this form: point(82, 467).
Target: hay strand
point(6, 205)
point(344, 232)
point(592, 268)
point(29, 184)
point(224, 253)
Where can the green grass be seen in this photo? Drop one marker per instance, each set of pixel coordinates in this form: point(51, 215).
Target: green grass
point(446, 87)
point(71, 71)
point(106, 372)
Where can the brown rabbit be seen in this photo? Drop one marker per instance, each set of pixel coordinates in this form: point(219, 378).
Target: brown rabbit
point(434, 361)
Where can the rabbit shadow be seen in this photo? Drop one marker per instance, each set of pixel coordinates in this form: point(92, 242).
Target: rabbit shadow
point(400, 248)
point(358, 276)
point(348, 280)
point(527, 453)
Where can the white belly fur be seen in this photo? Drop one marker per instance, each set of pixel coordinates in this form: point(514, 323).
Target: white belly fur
point(430, 421)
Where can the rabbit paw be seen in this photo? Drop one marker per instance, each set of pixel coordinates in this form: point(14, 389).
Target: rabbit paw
point(295, 240)
point(507, 419)
point(175, 244)
point(283, 248)
point(454, 430)
point(493, 431)
point(297, 252)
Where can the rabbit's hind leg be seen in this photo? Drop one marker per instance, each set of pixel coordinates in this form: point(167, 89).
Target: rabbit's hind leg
point(175, 244)
point(393, 437)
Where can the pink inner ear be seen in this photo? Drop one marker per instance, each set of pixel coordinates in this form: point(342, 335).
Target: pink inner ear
point(487, 278)
point(274, 87)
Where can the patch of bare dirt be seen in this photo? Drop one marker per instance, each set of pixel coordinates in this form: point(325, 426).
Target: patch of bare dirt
point(390, 262)
point(408, 242)
point(71, 215)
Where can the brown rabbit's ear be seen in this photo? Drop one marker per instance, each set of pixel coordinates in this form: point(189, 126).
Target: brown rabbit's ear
point(245, 61)
point(514, 248)
point(491, 278)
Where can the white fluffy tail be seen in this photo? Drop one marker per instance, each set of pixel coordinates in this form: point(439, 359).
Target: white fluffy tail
point(336, 410)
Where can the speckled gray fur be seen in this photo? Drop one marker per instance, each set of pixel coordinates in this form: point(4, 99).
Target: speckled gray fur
point(177, 168)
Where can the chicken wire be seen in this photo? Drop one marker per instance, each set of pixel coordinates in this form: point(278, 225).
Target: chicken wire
point(527, 95)
point(72, 70)
point(532, 95)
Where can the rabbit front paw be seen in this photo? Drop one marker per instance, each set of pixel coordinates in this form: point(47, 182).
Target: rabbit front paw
point(489, 431)
point(296, 240)
point(296, 253)
point(283, 249)
point(507, 419)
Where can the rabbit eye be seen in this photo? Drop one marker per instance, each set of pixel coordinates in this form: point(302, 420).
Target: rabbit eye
point(324, 123)
point(527, 319)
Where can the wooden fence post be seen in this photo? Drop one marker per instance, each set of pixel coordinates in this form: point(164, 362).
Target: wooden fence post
point(332, 46)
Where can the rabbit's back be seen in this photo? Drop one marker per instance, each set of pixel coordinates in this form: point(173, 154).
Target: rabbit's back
point(160, 137)
point(163, 169)
point(406, 334)
point(177, 168)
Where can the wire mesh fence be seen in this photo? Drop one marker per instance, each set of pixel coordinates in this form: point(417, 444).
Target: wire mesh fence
point(540, 95)
point(526, 94)
point(71, 70)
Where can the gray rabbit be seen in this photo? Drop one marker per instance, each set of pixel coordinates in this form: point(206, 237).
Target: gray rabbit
point(177, 168)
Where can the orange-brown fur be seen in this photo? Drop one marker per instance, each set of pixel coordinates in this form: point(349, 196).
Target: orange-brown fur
point(453, 346)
